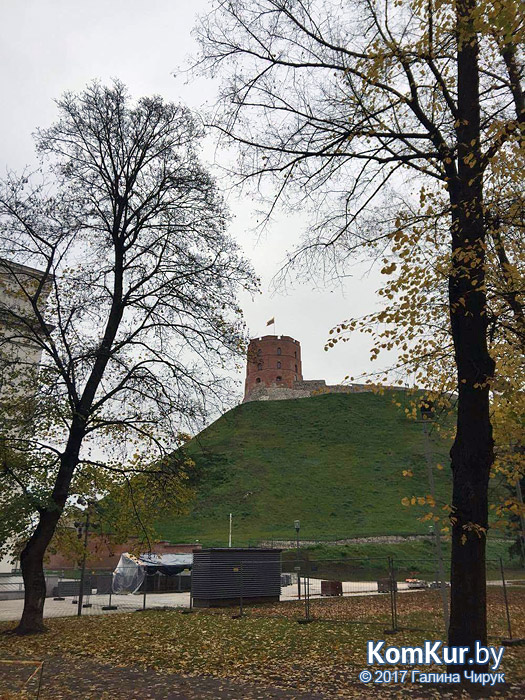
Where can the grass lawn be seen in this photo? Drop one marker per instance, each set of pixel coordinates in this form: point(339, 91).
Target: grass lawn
point(267, 647)
point(335, 462)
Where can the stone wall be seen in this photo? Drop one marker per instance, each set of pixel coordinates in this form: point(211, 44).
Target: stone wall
point(306, 388)
point(310, 384)
point(271, 393)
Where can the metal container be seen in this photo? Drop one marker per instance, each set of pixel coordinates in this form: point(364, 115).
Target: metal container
point(228, 576)
point(331, 588)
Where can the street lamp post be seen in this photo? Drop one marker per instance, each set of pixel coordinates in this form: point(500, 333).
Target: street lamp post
point(297, 526)
point(83, 569)
point(85, 528)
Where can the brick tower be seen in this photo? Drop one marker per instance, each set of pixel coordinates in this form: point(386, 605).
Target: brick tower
point(273, 361)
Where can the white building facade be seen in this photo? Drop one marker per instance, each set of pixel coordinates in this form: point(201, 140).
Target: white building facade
point(19, 357)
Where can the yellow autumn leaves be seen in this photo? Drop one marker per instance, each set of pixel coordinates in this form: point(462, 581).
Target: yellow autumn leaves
point(419, 500)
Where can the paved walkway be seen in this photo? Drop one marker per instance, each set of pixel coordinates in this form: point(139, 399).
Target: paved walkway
point(75, 678)
point(12, 609)
point(86, 679)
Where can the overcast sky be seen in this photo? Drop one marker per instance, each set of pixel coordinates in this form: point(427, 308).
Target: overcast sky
point(50, 46)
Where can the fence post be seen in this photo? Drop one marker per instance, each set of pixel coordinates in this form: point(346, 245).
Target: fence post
point(60, 578)
point(393, 593)
point(240, 596)
point(240, 570)
point(89, 604)
point(83, 569)
point(145, 589)
point(190, 609)
point(81, 588)
point(307, 592)
point(109, 606)
point(505, 596)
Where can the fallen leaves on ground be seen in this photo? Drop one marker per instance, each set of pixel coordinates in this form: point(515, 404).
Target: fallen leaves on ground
point(267, 646)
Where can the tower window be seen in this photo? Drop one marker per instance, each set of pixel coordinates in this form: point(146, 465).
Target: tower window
point(296, 368)
point(259, 366)
point(258, 380)
point(278, 379)
point(295, 378)
point(278, 365)
point(295, 353)
point(278, 351)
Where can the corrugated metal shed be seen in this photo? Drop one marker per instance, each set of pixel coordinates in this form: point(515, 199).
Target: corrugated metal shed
point(221, 576)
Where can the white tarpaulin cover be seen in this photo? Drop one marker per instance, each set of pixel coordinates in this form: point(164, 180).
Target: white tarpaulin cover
point(131, 570)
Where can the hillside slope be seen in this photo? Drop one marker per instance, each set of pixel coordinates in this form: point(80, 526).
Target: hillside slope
point(334, 461)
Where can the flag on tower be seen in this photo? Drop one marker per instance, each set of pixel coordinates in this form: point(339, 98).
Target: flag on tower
point(270, 322)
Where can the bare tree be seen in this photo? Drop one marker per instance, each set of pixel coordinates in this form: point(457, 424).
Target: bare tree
point(339, 102)
point(128, 234)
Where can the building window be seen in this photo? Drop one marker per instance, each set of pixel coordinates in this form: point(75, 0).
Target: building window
point(295, 353)
point(278, 351)
point(278, 365)
point(296, 368)
point(258, 380)
point(259, 352)
point(259, 366)
point(278, 379)
point(295, 377)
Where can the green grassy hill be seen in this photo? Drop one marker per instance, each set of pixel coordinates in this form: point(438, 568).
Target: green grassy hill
point(333, 461)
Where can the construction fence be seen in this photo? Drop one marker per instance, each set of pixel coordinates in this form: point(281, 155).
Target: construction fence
point(395, 595)
point(391, 593)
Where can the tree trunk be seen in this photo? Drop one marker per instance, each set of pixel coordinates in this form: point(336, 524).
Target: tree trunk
point(32, 557)
point(472, 453)
point(32, 563)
